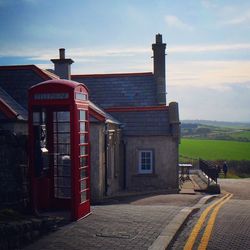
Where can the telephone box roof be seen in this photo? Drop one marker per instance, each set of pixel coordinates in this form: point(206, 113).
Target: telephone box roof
point(61, 82)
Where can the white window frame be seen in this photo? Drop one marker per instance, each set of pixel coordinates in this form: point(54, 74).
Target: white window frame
point(145, 171)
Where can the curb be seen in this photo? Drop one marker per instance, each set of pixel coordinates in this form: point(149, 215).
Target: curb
point(170, 232)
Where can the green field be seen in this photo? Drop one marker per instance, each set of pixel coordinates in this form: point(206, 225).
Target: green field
point(241, 135)
point(214, 149)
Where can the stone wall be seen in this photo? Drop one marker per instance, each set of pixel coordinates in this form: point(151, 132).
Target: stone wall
point(106, 160)
point(13, 170)
point(97, 161)
point(165, 163)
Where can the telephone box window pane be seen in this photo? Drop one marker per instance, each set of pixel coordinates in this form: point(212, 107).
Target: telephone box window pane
point(62, 116)
point(83, 150)
point(82, 126)
point(82, 138)
point(83, 161)
point(83, 185)
point(84, 172)
point(63, 148)
point(36, 118)
point(62, 138)
point(63, 182)
point(62, 127)
point(83, 115)
point(63, 171)
point(83, 196)
point(63, 193)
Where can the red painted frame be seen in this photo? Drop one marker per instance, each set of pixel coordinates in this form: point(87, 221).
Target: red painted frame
point(39, 184)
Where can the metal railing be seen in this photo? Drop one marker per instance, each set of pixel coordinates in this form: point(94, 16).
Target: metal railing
point(210, 170)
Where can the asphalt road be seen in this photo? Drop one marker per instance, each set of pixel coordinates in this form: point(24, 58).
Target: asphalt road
point(231, 227)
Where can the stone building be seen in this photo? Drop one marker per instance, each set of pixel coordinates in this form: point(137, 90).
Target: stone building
point(134, 133)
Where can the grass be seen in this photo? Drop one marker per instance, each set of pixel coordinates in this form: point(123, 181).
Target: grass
point(214, 149)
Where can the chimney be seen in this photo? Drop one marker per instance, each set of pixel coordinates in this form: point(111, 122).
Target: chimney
point(159, 69)
point(62, 65)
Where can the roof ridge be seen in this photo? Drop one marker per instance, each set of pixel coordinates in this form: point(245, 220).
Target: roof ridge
point(112, 75)
point(41, 72)
point(51, 74)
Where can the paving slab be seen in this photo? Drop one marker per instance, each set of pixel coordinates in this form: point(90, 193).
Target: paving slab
point(127, 223)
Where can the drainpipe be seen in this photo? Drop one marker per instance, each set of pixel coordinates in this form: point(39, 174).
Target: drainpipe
point(124, 165)
point(106, 159)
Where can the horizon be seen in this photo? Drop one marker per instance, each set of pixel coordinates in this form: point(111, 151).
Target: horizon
point(208, 45)
point(216, 121)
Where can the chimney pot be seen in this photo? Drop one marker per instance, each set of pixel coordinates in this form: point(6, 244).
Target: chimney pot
point(158, 38)
point(62, 53)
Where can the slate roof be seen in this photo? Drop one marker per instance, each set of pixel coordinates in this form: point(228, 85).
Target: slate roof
point(144, 123)
point(16, 80)
point(21, 113)
point(107, 91)
point(119, 90)
point(109, 118)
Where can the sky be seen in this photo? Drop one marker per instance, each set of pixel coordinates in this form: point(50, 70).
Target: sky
point(208, 45)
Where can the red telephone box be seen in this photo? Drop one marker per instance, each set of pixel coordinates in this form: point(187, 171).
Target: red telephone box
point(59, 147)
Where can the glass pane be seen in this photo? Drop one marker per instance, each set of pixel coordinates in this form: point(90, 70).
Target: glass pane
point(36, 118)
point(62, 182)
point(83, 161)
point(84, 172)
point(62, 116)
point(63, 171)
point(83, 115)
point(83, 150)
point(83, 196)
point(63, 149)
point(63, 138)
point(83, 185)
point(62, 127)
point(62, 193)
point(82, 126)
point(82, 138)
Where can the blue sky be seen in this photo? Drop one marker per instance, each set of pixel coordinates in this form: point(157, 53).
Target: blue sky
point(208, 45)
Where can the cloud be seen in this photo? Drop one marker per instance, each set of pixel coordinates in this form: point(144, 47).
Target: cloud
point(210, 74)
point(204, 73)
point(209, 4)
point(76, 53)
point(242, 18)
point(175, 22)
point(208, 48)
point(79, 54)
point(204, 103)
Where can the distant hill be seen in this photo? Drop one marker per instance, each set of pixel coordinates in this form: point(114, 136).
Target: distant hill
point(214, 130)
point(218, 123)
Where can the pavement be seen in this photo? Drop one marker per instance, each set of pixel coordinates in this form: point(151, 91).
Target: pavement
point(149, 221)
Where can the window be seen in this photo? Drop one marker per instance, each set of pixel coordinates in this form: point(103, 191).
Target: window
point(146, 161)
point(62, 161)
